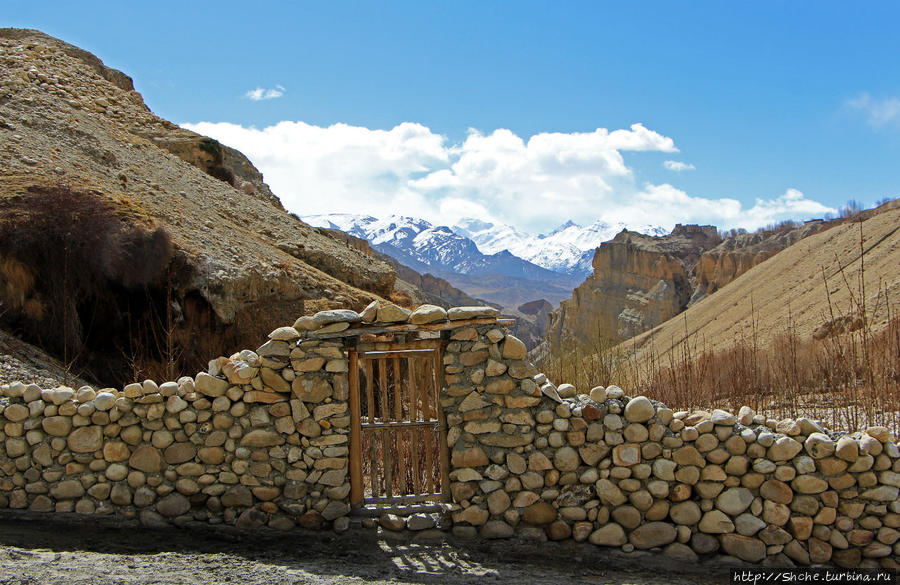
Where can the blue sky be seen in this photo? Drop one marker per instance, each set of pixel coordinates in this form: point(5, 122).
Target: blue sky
point(766, 100)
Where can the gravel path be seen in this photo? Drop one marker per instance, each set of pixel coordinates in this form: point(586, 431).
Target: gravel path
point(37, 549)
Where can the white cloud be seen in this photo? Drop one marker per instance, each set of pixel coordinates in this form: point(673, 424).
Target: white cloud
point(534, 184)
point(260, 94)
point(879, 113)
point(678, 166)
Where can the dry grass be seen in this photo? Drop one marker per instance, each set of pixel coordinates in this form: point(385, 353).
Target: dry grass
point(846, 374)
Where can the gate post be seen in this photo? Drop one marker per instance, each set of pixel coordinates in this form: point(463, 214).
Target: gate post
point(356, 486)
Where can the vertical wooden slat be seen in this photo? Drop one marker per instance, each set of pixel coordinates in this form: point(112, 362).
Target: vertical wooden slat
point(442, 425)
point(370, 400)
point(398, 408)
point(356, 487)
point(383, 390)
point(414, 435)
point(429, 431)
point(386, 440)
point(385, 433)
point(400, 433)
point(373, 447)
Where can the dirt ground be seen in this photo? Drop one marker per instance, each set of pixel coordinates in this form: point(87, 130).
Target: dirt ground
point(37, 549)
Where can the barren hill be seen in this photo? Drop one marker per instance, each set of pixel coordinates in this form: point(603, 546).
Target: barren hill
point(809, 287)
point(226, 257)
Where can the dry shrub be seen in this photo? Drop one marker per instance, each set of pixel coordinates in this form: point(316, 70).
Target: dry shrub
point(847, 374)
point(18, 282)
point(72, 269)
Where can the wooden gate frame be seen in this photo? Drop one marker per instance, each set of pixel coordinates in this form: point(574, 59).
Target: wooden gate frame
point(356, 477)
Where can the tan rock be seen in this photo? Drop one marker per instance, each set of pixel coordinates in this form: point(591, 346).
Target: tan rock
point(274, 380)
point(427, 314)
point(819, 445)
point(391, 313)
point(15, 413)
point(626, 455)
point(514, 348)
point(609, 493)
point(784, 449)
point(471, 457)
point(462, 313)
point(314, 389)
point(847, 449)
point(473, 515)
point(539, 513)
point(652, 534)
point(55, 426)
point(116, 451)
point(147, 459)
point(285, 334)
point(639, 409)
point(734, 501)
point(809, 484)
point(173, 505)
point(685, 513)
point(743, 547)
point(262, 438)
point(210, 385)
point(179, 453)
point(688, 455)
point(86, 439)
point(776, 491)
point(610, 535)
point(715, 522)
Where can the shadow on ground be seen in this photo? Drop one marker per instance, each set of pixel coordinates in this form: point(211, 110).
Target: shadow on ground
point(38, 548)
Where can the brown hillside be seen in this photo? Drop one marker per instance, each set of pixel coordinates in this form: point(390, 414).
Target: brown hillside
point(788, 290)
point(239, 263)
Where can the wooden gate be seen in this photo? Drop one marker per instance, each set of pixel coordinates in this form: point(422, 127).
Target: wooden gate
point(397, 443)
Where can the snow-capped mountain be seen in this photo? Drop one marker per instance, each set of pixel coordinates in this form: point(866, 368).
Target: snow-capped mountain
point(425, 247)
point(568, 249)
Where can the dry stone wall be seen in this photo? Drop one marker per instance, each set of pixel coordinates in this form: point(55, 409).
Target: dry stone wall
point(262, 438)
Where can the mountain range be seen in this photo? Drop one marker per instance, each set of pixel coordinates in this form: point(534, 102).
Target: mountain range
point(495, 262)
point(568, 249)
point(499, 277)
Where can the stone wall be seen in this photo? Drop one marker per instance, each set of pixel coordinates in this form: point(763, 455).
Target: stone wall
point(263, 438)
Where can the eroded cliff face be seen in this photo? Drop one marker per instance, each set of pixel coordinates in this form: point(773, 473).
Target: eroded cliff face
point(642, 281)
point(638, 282)
point(738, 254)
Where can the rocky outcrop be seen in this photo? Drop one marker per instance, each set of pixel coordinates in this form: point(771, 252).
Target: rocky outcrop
point(239, 263)
point(741, 252)
point(642, 281)
point(214, 159)
point(638, 282)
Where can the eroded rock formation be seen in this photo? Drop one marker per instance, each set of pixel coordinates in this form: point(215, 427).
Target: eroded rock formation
point(641, 281)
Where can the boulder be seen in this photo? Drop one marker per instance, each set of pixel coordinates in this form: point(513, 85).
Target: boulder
point(462, 313)
point(427, 314)
point(86, 439)
point(147, 459)
point(734, 501)
point(652, 534)
point(610, 535)
point(745, 548)
point(639, 409)
point(391, 313)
